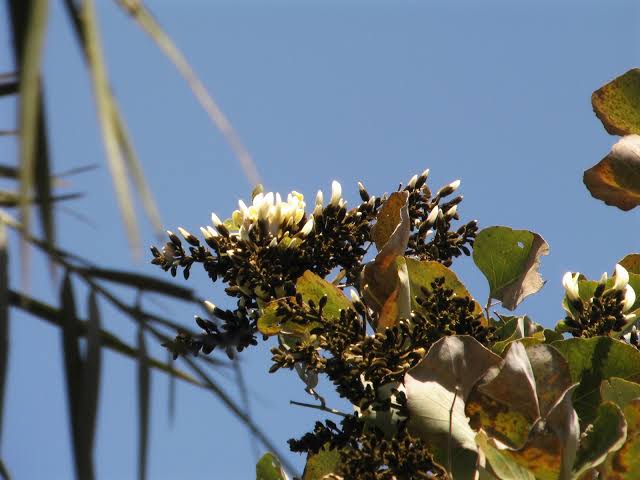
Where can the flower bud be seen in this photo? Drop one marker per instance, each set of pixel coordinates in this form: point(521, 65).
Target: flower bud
point(364, 195)
point(449, 189)
point(211, 308)
point(354, 296)
point(621, 278)
point(452, 212)
point(319, 198)
point(412, 182)
point(189, 237)
point(215, 220)
point(570, 284)
point(308, 227)
point(336, 193)
point(604, 278)
point(433, 215)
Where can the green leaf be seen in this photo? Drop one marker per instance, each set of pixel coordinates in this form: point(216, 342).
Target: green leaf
point(29, 22)
point(631, 263)
point(423, 273)
point(140, 281)
point(74, 373)
point(624, 464)
point(616, 178)
point(148, 23)
point(516, 328)
point(509, 259)
point(607, 434)
point(617, 104)
point(4, 318)
point(437, 389)
point(312, 288)
point(320, 464)
point(107, 339)
point(269, 468)
point(592, 360)
point(144, 386)
point(91, 370)
point(619, 391)
point(504, 467)
point(107, 114)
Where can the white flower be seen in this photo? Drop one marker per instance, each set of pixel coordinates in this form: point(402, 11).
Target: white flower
point(433, 215)
point(306, 230)
point(604, 278)
point(454, 185)
point(336, 193)
point(570, 284)
point(215, 220)
point(621, 278)
point(412, 182)
point(629, 298)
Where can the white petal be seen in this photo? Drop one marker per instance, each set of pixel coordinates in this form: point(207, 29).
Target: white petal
point(412, 182)
point(308, 227)
point(621, 278)
point(433, 215)
point(336, 193)
point(215, 220)
point(319, 198)
point(570, 284)
point(629, 298)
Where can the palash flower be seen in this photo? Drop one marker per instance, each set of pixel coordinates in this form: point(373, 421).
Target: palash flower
point(282, 218)
point(570, 284)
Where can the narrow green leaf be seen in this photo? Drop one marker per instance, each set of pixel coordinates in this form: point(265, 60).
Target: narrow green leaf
point(74, 373)
point(270, 468)
point(509, 259)
point(9, 88)
point(4, 318)
point(106, 113)
point(29, 21)
point(92, 369)
point(135, 169)
point(171, 403)
point(148, 23)
point(140, 281)
point(4, 472)
point(43, 189)
point(144, 384)
point(108, 340)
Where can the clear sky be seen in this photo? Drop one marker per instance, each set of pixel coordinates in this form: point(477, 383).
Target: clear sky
point(496, 93)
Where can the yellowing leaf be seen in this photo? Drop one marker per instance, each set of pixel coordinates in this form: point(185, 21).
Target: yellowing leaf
point(616, 178)
point(617, 104)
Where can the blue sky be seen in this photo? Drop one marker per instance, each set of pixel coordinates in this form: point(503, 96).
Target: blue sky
point(496, 93)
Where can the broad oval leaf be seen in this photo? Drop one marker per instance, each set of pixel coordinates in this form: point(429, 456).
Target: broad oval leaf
point(617, 104)
point(509, 259)
point(592, 360)
point(619, 391)
point(503, 466)
point(423, 273)
point(436, 391)
point(616, 178)
point(270, 468)
point(320, 464)
point(624, 464)
point(607, 434)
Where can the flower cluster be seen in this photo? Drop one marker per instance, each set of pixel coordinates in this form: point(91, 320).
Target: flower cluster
point(598, 308)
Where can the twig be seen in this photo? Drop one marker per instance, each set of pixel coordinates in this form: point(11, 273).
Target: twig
point(319, 407)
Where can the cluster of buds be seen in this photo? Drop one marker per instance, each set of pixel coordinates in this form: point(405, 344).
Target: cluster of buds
point(608, 308)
